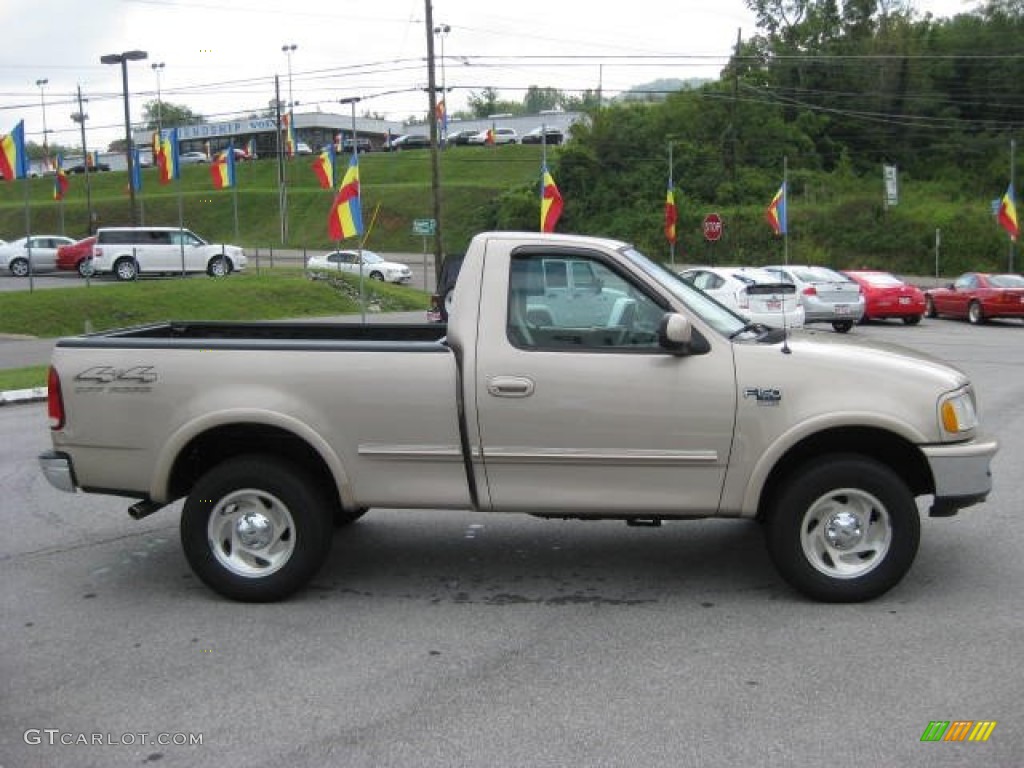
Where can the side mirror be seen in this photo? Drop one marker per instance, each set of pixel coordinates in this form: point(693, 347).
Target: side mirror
point(675, 333)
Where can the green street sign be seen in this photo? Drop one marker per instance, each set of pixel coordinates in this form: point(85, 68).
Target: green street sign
point(424, 227)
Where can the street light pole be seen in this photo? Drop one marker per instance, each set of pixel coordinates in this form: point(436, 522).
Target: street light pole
point(42, 103)
point(157, 67)
point(80, 117)
point(442, 30)
point(123, 59)
point(288, 50)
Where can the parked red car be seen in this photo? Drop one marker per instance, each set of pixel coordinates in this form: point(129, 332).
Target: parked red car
point(886, 296)
point(76, 256)
point(978, 296)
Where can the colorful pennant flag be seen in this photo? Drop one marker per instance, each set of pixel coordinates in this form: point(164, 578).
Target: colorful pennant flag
point(167, 158)
point(1007, 214)
point(155, 144)
point(60, 179)
point(222, 169)
point(250, 149)
point(442, 115)
point(550, 202)
point(489, 139)
point(13, 158)
point(346, 217)
point(324, 166)
point(671, 215)
point(136, 169)
point(776, 213)
point(289, 134)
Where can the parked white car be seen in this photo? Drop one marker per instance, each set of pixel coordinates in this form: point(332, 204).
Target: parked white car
point(14, 257)
point(729, 286)
point(128, 252)
point(501, 136)
point(373, 266)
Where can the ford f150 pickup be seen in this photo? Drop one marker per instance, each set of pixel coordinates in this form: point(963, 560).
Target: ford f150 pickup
point(575, 378)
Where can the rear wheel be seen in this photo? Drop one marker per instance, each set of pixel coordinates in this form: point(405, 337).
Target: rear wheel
point(974, 313)
point(844, 528)
point(377, 276)
point(842, 326)
point(126, 269)
point(19, 267)
point(912, 320)
point(255, 528)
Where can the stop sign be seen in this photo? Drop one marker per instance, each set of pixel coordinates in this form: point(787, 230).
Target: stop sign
point(712, 227)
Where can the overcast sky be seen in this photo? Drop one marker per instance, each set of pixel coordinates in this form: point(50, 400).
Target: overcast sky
point(220, 56)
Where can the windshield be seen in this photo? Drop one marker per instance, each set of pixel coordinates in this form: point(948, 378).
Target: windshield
point(710, 311)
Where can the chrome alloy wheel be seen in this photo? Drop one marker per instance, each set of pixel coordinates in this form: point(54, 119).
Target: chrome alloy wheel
point(251, 533)
point(846, 533)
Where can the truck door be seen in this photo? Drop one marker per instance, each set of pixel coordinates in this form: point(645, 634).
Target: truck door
point(594, 418)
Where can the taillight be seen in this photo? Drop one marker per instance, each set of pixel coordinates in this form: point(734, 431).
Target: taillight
point(54, 400)
point(742, 299)
point(810, 290)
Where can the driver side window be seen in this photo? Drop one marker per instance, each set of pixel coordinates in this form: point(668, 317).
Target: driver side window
point(600, 310)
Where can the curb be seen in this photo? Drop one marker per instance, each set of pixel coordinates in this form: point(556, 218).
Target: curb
point(17, 396)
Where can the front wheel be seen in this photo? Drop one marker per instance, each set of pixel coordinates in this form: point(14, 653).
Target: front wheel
point(85, 268)
point(842, 326)
point(911, 319)
point(843, 529)
point(974, 314)
point(929, 307)
point(218, 267)
point(255, 528)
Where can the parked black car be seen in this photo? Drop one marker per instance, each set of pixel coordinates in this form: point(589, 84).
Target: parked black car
point(543, 135)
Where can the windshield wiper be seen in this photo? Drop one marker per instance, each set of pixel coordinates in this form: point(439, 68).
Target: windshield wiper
point(757, 328)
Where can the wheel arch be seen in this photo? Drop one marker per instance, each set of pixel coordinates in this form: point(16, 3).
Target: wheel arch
point(196, 448)
point(892, 450)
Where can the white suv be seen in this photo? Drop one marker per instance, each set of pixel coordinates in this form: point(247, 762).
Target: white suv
point(128, 252)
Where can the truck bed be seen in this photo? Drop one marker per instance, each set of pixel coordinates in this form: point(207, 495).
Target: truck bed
point(410, 337)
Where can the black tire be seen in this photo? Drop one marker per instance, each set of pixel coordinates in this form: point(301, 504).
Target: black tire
point(912, 320)
point(19, 267)
point(84, 267)
point(379, 276)
point(842, 326)
point(817, 536)
point(974, 314)
point(218, 266)
point(929, 307)
point(274, 504)
point(126, 269)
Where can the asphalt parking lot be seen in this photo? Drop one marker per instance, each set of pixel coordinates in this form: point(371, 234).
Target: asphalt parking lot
point(446, 638)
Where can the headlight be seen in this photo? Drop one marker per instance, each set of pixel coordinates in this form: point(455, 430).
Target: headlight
point(957, 413)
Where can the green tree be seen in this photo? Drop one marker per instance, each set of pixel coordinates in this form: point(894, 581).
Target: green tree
point(170, 115)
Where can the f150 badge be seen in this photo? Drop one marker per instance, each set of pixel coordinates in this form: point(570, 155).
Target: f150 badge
point(107, 378)
point(763, 395)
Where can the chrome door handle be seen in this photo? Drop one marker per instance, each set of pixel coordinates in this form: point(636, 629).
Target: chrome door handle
point(510, 386)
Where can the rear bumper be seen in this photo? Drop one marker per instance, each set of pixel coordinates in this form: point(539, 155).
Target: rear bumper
point(962, 472)
point(58, 471)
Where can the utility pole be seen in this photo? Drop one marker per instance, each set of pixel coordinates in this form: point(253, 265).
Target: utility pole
point(435, 156)
point(80, 117)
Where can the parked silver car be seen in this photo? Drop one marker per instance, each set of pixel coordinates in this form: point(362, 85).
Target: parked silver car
point(826, 295)
point(14, 256)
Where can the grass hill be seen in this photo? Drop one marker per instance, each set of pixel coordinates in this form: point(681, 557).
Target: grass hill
point(395, 188)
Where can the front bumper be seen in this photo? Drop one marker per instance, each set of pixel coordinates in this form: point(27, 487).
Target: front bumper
point(962, 472)
point(57, 470)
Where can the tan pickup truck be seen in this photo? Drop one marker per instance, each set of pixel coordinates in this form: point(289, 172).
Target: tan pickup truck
point(575, 378)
